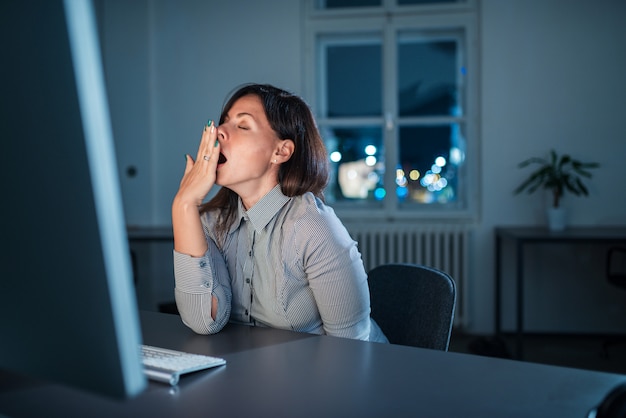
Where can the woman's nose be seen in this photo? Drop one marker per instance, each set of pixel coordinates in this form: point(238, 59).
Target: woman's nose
point(221, 132)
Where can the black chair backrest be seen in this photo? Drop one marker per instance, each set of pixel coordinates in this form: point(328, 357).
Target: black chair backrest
point(413, 304)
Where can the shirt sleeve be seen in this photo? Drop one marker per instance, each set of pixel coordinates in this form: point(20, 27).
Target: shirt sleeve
point(197, 280)
point(336, 275)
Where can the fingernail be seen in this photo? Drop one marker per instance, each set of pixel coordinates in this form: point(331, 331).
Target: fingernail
point(216, 143)
point(185, 157)
point(209, 123)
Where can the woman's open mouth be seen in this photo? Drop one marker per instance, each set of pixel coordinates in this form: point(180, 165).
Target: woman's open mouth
point(221, 159)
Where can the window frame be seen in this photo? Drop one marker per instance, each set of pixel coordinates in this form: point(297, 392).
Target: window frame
point(390, 20)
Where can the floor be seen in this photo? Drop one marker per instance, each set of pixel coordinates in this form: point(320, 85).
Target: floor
point(578, 351)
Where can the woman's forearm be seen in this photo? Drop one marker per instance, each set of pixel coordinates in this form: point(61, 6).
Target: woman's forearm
point(189, 236)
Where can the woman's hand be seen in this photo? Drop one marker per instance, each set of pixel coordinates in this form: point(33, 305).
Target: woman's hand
point(200, 174)
point(197, 182)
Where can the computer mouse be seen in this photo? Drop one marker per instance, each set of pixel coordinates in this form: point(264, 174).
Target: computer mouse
point(613, 405)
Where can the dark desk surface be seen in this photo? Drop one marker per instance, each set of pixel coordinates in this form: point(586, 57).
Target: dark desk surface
point(273, 373)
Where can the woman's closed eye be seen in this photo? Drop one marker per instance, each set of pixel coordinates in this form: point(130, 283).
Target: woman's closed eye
point(244, 127)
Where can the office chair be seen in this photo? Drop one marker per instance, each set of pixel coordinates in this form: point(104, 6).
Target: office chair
point(413, 304)
point(616, 275)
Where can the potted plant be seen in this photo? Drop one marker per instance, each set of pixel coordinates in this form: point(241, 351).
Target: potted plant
point(558, 175)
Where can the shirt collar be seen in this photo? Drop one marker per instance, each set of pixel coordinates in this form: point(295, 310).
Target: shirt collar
point(263, 211)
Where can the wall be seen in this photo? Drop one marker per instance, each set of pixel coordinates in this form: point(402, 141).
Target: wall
point(550, 77)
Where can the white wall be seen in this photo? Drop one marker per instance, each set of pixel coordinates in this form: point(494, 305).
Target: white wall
point(551, 76)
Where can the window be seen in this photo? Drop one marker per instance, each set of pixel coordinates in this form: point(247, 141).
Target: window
point(393, 86)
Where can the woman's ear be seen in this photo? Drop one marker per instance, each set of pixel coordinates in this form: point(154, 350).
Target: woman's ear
point(284, 151)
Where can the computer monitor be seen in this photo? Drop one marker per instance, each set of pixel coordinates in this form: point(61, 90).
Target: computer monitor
point(68, 311)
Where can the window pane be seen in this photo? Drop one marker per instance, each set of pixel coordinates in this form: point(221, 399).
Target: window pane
point(353, 78)
point(335, 4)
point(430, 159)
point(427, 76)
point(357, 163)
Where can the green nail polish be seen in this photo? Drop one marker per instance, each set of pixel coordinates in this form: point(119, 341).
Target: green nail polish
point(216, 143)
point(209, 122)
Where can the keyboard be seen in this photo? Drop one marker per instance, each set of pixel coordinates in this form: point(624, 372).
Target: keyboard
point(167, 366)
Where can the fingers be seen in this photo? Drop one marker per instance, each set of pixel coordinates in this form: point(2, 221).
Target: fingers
point(205, 165)
point(209, 136)
point(200, 175)
point(188, 163)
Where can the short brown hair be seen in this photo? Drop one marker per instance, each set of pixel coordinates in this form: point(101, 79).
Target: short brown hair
point(291, 118)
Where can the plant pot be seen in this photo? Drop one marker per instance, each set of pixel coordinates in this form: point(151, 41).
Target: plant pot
point(556, 219)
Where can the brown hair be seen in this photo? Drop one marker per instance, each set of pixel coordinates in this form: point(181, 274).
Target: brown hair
point(307, 169)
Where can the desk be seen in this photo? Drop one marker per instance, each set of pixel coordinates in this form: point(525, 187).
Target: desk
point(522, 236)
point(273, 373)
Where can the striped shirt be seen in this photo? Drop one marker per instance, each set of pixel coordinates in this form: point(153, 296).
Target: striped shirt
point(286, 263)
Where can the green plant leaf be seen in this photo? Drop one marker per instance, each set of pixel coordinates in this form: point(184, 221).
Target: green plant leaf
point(557, 174)
point(570, 185)
point(531, 161)
point(582, 187)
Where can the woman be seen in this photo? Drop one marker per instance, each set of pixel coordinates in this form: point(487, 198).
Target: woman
point(265, 250)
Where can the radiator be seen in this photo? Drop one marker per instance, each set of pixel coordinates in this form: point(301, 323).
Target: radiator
point(444, 247)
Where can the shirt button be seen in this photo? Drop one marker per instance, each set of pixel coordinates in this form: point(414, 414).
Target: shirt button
point(205, 284)
point(248, 281)
point(246, 313)
point(203, 264)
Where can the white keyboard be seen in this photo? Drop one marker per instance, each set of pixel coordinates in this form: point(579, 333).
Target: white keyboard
point(166, 365)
